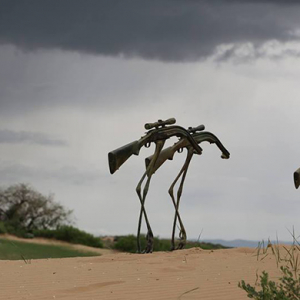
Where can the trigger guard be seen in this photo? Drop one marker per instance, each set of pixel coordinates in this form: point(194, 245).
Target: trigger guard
point(180, 150)
point(148, 145)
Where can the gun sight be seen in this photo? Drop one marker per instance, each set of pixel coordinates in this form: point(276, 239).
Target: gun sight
point(160, 123)
point(196, 129)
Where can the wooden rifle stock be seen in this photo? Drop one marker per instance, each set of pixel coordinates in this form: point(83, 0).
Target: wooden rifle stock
point(117, 157)
point(297, 178)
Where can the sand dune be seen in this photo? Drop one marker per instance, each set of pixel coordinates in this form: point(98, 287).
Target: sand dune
point(184, 274)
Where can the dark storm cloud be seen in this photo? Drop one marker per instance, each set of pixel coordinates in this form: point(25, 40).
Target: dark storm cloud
point(15, 137)
point(157, 29)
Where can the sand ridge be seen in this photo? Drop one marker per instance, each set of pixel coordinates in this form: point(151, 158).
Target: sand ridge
point(184, 274)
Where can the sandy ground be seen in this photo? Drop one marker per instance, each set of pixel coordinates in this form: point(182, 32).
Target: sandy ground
point(183, 274)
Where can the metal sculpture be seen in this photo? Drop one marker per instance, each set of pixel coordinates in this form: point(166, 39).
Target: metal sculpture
point(297, 178)
point(158, 133)
point(167, 154)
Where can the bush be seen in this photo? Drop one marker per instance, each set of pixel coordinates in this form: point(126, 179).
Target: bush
point(161, 244)
point(129, 244)
point(288, 286)
point(287, 289)
point(70, 234)
point(11, 228)
point(2, 228)
point(205, 246)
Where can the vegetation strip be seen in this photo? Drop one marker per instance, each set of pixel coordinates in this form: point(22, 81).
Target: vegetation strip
point(15, 250)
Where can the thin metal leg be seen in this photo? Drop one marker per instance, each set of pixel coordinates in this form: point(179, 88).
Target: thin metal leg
point(171, 193)
point(182, 233)
point(183, 172)
point(138, 191)
point(149, 172)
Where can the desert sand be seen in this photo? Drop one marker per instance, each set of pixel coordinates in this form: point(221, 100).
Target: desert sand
point(182, 274)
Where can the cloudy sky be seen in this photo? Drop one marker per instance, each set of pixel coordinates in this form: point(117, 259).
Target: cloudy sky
point(79, 78)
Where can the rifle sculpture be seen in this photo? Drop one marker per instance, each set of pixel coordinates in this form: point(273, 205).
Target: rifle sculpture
point(199, 136)
point(297, 178)
point(158, 133)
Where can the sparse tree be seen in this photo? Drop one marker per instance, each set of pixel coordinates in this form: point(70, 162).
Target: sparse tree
point(25, 208)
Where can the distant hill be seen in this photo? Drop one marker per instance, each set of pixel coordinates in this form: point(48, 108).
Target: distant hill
point(240, 243)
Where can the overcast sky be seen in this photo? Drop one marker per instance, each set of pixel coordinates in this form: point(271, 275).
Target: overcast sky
point(81, 78)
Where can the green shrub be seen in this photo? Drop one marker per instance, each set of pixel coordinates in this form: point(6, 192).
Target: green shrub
point(161, 244)
point(129, 244)
point(70, 234)
point(12, 227)
point(288, 287)
point(205, 246)
point(2, 228)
